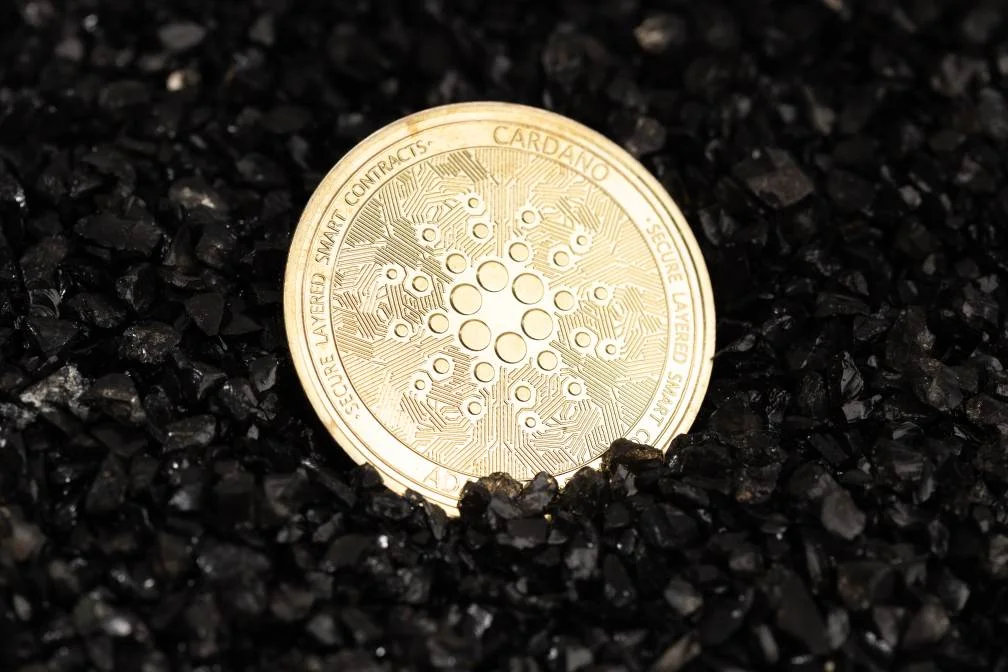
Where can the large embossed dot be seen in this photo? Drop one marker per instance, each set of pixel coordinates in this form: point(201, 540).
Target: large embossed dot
point(474, 334)
point(466, 299)
point(537, 324)
point(492, 276)
point(528, 288)
point(510, 347)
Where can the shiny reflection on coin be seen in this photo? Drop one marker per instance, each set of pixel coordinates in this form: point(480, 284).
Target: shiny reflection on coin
point(488, 287)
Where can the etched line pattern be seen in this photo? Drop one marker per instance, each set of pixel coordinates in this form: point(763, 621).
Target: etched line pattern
point(492, 311)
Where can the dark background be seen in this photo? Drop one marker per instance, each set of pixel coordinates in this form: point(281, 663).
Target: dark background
point(169, 501)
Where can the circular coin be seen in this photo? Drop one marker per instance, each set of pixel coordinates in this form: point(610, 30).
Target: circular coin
point(489, 287)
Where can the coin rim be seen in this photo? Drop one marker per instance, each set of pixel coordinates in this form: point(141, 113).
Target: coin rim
point(406, 127)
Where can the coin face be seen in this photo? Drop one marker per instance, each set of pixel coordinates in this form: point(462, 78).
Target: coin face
point(489, 287)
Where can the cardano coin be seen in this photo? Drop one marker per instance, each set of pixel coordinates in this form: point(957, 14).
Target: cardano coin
point(489, 287)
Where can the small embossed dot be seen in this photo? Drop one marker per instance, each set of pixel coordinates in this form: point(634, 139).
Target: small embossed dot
point(492, 276)
point(484, 372)
point(519, 251)
point(563, 300)
point(528, 217)
point(582, 339)
point(401, 330)
point(574, 388)
point(420, 283)
point(474, 335)
point(441, 365)
point(537, 324)
point(481, 230)
point(466, 299)
point(473, 202)
point(581, 240)
point(547, 360)
point(561, 258)
point(428, 235)
point(523, 393)
point(438, 323)
point(610, 349)
point(530, 422)
point(474, 408)
point(510, 347)
point(418, 384)
point(600, 293)
point(391, 274)
point(455, 262)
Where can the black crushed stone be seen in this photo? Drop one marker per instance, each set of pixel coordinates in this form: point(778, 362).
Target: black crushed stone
point(168, 500)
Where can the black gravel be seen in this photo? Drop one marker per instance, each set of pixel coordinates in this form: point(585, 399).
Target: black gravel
point(168, 501)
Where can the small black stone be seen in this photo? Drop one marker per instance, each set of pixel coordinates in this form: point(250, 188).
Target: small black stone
point(285, 493)
point(116, 395)
point(581, 558)
point(774, 177)
point(263, 372)
point(648, 137)
point(659, 32)
point(850, 192)
point(263, 31)
point(21, 540)
point(139, 236)
point(216, 246)
point(679, 655)
point(219, 561)
point(346, 551)
point(665, 526)
point(108, 490)
point(148, 342)
point(194, 193)
point(96, 309)
point(841, 515)
point(524, 533)
point(798, 617)
point(259, 171)
point(997, 556)
point(617, 586)
point(322, 627)
point(193, 432)
point(683, 597)
point(720, 619)
point(181, 35)
point(927, 627)
point(138, 287)
point(291, 603)
point(630, 454)
point(936, 384)
point(51, 335)
point(207, 311)
point(863, 583)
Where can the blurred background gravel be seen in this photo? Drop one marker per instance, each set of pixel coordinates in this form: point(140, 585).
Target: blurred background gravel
point(168, 501)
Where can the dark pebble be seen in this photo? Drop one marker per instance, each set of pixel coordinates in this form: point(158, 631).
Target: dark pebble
point(774, 177)
point(841, 515)
point(148, 342)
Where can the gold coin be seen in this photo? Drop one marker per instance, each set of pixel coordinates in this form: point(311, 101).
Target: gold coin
point(488, 287)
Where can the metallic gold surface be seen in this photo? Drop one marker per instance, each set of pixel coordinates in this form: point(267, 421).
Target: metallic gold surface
point(490, 287)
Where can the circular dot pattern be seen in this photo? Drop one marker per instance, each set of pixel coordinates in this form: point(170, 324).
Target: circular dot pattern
point(474, 335)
